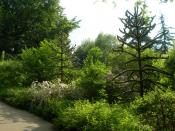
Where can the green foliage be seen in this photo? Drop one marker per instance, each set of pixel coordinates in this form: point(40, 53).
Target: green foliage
point(98, 116)
point(119, 89)
point(11, 73)
point(19, 28)
point(38, 63)
point(18, 97)
point(65, 57)
point(157, 109)
point(82, 52)
point(51, 109)
point(105, 42)
point(2, 55)
point(71, 115)
point(25, 98)
point(136, 36)
point(165, 41)
point(169, 65)
point(93, 77)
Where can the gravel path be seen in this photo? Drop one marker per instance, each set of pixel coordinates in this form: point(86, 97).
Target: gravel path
point(12, 119)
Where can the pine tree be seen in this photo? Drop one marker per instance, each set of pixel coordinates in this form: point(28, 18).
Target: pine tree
point(65, 51)
point(136, 41)
point(165, 41)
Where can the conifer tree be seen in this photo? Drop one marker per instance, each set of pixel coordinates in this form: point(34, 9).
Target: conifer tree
point(136, 41)
point(65, 51)
point(165, 41)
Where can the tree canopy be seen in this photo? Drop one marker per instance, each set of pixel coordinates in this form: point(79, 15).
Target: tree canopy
point(25, 23)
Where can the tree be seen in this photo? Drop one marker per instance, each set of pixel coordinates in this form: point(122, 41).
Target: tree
point(25, 23)
point(164, 42)
point(136, 37)
point(82, 51)
point(38, 63)
point(105, 42)
point(65, 57)
point(66, 51)
point(93, 77)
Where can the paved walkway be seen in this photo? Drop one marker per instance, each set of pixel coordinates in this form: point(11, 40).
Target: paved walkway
point(12, 119)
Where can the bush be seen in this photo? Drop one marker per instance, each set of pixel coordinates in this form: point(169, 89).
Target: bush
point(74, 115)
point(98, 116)
point(25, 98)
point(56, 90)
point(157, 109)
point(11, 73)
point(93, 79)
point(18, 97)
point(50, 109)
point(41, 64)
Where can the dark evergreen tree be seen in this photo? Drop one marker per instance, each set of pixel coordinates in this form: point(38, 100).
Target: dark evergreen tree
point(165, 41)
point(136, 41)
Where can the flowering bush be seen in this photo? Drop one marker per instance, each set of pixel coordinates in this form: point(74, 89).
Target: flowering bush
point(49, 90)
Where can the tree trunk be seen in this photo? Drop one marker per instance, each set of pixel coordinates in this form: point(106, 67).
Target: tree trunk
point(61, 62)
point(140, 70)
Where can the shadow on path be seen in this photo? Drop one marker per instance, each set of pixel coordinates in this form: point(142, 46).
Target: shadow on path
point(12, 119)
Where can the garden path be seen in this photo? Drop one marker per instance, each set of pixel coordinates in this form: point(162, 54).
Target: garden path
point(12, 119)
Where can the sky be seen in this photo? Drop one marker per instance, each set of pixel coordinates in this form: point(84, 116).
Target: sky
point(97, 16)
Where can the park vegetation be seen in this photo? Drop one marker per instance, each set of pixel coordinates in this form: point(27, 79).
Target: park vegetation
point(112, 83)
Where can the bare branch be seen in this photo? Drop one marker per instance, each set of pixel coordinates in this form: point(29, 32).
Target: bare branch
point(123, 72)
point(153, 68)
point(128, 81)
point(126, 52)
point(152, 57)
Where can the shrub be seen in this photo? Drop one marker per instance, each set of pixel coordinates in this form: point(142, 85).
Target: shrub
point(74, 115)
point(39, 64)
point(18, 97)
point(24, 98)
point(157, 109)
point(93, 79)
point(11, 73)
point(56, 90)
point(98, 116)
point(50, 109)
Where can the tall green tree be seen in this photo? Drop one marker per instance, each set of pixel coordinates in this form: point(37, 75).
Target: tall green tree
point(136, 37)
point(24, 23)
point(65, 57)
